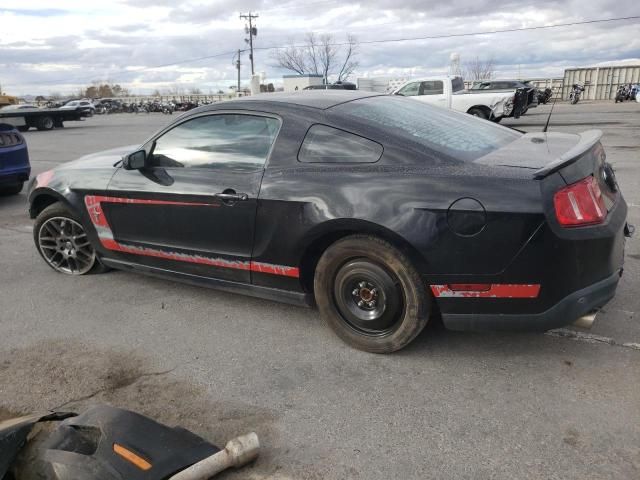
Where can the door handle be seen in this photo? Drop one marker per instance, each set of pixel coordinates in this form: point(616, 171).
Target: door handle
point(231, 197)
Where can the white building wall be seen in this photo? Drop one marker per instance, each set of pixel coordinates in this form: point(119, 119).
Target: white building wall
point(600, 83)
point(292, 83)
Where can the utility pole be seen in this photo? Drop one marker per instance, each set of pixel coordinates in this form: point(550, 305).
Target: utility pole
point(238, 67)
point(253, 32)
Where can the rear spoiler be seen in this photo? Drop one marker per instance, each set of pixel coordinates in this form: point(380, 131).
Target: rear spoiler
point(587, 140)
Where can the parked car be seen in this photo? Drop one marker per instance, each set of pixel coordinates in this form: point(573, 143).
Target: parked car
point(14, 160)
point(449, 92)
point(378, 209)
point(85, 106)
point(509, 85)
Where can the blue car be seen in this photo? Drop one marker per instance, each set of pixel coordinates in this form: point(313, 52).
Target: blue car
point(14, 160)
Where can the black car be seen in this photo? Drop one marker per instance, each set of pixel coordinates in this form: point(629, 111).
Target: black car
point(383, 211)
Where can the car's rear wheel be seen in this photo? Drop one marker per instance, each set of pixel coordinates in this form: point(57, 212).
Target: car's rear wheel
point(23, 128)
point(45, 123)
point(14, 189)
point(62, 241)
point(370, 294)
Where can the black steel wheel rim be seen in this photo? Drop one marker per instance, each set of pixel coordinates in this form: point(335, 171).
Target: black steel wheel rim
point(368, 297)
point(65, 246)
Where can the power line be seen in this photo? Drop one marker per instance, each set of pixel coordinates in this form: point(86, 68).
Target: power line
point(470, 34)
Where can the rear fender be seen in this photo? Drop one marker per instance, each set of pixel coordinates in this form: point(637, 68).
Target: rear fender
point(319, 238)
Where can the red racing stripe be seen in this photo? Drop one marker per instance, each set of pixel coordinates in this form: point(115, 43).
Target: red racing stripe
point(496, 290)
point(99, 220)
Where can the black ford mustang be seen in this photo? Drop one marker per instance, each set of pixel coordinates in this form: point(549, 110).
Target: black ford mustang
point(380, 209)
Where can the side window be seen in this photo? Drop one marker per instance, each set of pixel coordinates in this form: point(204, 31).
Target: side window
point(457, 84)
point(324, 144)
point(410, 90)
point(235, 141)
point(432, 87)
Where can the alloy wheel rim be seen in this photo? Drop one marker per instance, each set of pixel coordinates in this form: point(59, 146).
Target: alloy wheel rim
point(65, 246)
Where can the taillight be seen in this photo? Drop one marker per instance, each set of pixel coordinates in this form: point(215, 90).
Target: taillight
point(580, 204)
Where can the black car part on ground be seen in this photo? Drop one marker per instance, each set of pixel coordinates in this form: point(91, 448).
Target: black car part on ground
point(108, 443)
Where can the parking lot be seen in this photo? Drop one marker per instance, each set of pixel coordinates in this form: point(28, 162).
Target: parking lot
point(561, 405)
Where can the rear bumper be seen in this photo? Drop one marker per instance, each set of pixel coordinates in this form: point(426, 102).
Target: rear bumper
point(565, 312)
point(15, 175)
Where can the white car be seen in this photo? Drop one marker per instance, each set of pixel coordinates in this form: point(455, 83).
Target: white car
point(449, 92)
point(85, 105)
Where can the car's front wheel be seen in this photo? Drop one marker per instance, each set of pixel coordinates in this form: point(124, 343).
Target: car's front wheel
point(62, 241)
point(370, 294)
point(13, 189)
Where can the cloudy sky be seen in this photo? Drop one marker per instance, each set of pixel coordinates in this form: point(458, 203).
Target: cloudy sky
point(48, 46)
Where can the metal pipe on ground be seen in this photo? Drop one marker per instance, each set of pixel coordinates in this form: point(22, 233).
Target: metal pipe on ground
point(237, 452)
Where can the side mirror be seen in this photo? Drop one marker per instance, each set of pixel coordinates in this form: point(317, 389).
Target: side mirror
point(135, 160)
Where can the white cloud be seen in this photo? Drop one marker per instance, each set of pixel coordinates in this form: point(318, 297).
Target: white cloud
point(55, 46)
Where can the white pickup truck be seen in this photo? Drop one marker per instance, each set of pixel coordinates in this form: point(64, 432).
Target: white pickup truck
point(449, 92)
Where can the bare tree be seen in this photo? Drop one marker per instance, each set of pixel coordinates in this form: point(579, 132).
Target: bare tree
point(320, 55)
point(350, 63)
point(478, 69)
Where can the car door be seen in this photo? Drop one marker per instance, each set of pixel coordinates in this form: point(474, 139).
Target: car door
point(192, 208)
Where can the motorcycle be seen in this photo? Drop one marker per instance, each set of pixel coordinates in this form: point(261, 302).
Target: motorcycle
point(621, 93)
point(108, 443)
point(576, 91)
point(544, 95)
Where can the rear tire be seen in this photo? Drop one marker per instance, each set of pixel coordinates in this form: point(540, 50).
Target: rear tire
point(478, 112)
point(370, 294)
point(45, 123)
point(23, 128)
point(62, 241)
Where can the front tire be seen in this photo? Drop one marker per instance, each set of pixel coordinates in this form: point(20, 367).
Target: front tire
point(14, 189)
point(370, 294)
point(63, 243)
point(478, 112)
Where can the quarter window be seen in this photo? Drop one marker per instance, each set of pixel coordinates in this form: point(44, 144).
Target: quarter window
point(234, 141)
point(324, 144)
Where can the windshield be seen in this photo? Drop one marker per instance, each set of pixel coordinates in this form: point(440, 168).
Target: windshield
point(456, 135)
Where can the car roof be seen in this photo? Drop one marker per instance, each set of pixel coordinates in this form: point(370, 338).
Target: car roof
point(320, 99)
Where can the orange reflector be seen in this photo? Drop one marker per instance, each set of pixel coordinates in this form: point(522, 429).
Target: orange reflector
point(128, 455)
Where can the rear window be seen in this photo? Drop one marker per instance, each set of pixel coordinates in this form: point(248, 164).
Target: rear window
point(459, 136)
point(324, 144)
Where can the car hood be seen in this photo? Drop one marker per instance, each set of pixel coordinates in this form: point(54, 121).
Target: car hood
point(531, 151)
point(105, 159)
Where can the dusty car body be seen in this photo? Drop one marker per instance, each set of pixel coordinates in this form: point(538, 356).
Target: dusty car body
point(379, 209)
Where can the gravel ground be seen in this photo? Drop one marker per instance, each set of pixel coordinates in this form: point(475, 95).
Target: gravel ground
point(451, 406)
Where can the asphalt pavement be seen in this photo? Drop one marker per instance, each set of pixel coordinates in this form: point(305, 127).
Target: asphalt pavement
point(561, 405)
